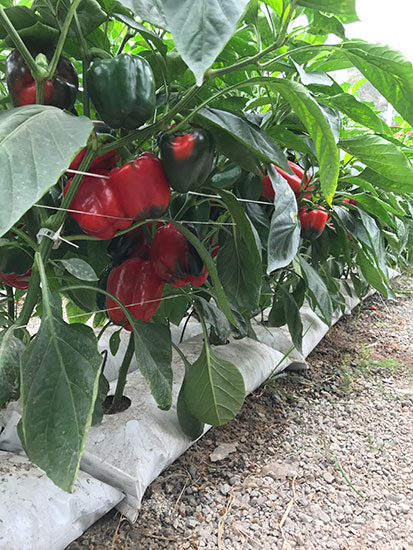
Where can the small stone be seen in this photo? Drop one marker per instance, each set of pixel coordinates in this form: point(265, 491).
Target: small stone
point(303, 501)
point(280, 471)
point(329, 478)
point(224, 489)
point(404, 507)
point(222, 451)
point(191, 523)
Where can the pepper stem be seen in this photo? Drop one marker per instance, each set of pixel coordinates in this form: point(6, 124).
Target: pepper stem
point(123, 371)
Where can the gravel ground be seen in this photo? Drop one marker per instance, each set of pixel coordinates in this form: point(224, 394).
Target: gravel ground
point(317, 461)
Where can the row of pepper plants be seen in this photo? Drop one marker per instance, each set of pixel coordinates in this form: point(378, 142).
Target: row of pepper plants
point(167, 158)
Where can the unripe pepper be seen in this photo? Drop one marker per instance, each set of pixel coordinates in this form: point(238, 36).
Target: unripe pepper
point(99, 211)
point(122, 90)
point(60, 91)
point(175, 260)
point(136, 285)
point(312, 222)
point(187, 159)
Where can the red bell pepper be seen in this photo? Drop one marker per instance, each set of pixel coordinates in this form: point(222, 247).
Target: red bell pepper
point(99, 210)
point(101, 162)
point(130, 245)
point(136, 285)
point(312, 222)
point(175, 260)
point(142, 187)
point(135, 191)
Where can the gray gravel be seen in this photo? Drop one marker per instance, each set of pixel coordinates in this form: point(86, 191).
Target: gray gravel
point(321, 461)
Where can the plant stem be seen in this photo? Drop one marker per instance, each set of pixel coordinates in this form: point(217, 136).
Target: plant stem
point(18, 42)
point(40, 92)
point(62, 37)
point(123, 371)
point(10, 302)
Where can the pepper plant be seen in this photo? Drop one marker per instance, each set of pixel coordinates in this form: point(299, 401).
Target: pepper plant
point(164, 158)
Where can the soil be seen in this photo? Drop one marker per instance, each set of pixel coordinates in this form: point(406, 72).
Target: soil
point(317, 460)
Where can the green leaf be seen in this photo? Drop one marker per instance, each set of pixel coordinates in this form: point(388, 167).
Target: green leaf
point(325, 24)
point(214, 317)
point(370, 271)
point(60, 372)
point(214, 389)
point(293, 318)
point(103, 390)
point(383, 157)
point(340, 7)
point(284, 236)
point(239, 261)
point(79, 269)
point(191, 426)
point(11, 350)
point(114, 342)
point(75, 314)
point(147, 10)
point(247, 133)
point(201, 29)
point(153, 352)
point(387, 70)
point(378, 180)
point(318, 291)
point(358, 111)
point(288, 139)
point(37, 144)
point(143, 31)
point(310, 114)
point(20, 17)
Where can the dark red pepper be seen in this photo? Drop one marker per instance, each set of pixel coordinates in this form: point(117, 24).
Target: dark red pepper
point(101, 162)
point(175, 260)
point(187, 159)
point(99, 213)
point(293, 180)
point(142, 187)
point(136, 285)
point(60, 91)
point(312, 222)
point(15, 267)
point(130, 245)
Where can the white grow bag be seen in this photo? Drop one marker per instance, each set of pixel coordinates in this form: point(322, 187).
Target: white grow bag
point(129, 449)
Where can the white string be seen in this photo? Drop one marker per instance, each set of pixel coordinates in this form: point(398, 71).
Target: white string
point(219, 197)
point(89, 174)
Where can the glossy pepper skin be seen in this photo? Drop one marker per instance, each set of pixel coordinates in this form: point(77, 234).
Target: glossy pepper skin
point(187, 159)
point(293, 180)
point(130, 245)
point(60, 91)
point(122, 90)
point(97, 198)
point(100, 162)
point(142, 187)
point(312, 222)
point(175, 260)
point(136, 285)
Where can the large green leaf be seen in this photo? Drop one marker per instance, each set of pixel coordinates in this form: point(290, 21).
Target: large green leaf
point(284, 236)
point(11, 350)
point(60, 372)
point(153, 352)
point(358, 111)
point(147, 10)
point(214, 389)
point(378, 180)
point(37, 144)
point(318, 291)
point(383, 157)
point(340, 7)
point(387, 69)
point(370, 271)
point(292, 317)
point(201, 29)
point(239, 261)
point(247, 133)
